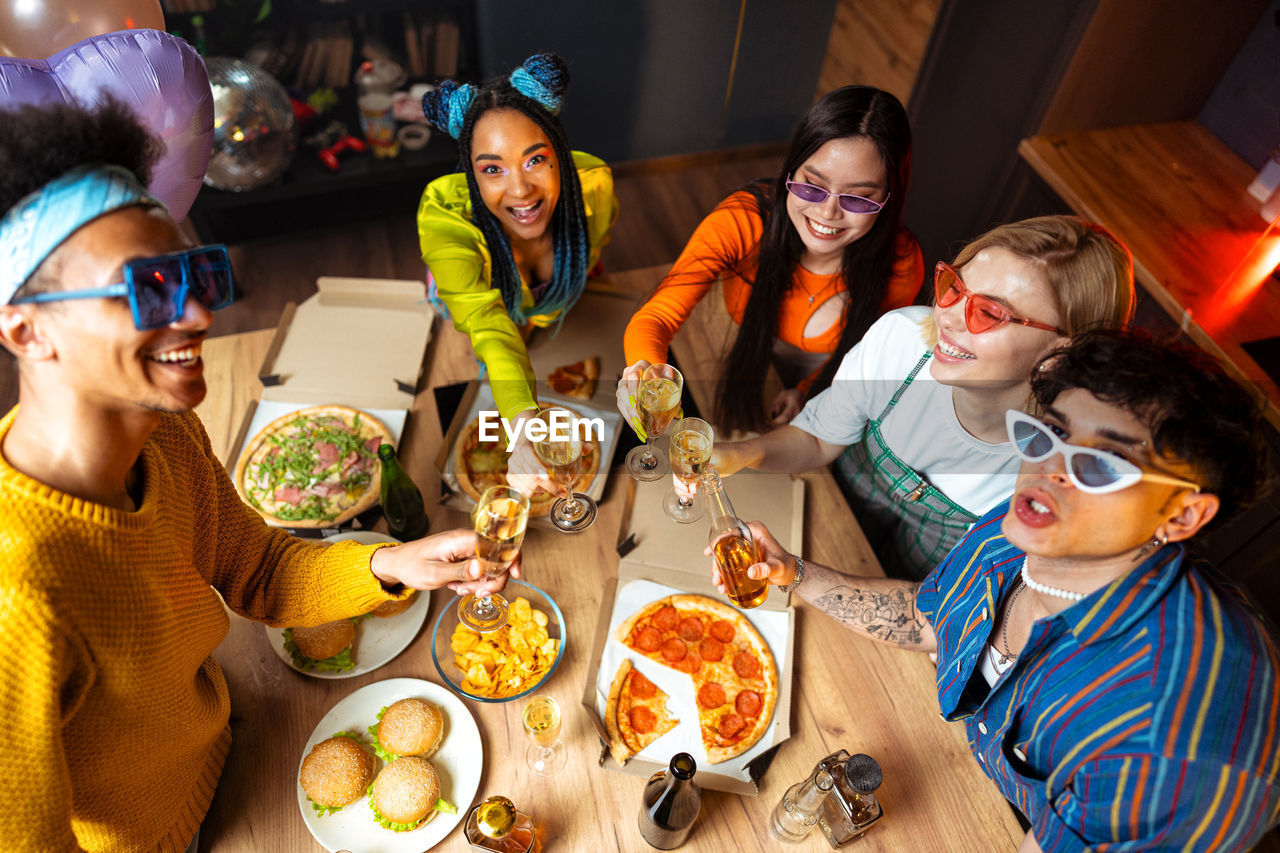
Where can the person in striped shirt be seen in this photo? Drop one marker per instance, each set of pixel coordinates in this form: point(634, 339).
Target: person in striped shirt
point(1119, 690)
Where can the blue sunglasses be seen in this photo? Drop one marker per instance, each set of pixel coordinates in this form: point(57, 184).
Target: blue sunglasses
point(158, 287)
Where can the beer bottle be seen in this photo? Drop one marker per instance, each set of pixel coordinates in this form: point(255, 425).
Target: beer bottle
point(671, 804)
point(496, 825)
point(402, 505)
point(733, 546)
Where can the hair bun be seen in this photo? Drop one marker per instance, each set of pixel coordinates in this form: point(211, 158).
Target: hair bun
point(544, 78)
point(446, 106)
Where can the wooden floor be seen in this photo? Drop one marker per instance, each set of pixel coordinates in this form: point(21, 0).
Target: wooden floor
point(661, 203)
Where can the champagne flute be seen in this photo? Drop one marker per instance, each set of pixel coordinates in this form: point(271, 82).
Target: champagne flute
point(691, 443)
point(657, 402)
point(500, 519)
point(561, 453)
point(546, 753)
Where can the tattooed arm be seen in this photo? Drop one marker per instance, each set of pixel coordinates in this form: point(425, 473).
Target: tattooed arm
point(880, 608)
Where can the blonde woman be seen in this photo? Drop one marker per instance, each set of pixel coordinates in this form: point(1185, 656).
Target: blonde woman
point(915, 414)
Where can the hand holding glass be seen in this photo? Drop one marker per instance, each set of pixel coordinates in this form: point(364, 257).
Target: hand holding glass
point(657, 402)
point(561, 453)
point(546, 753)
point(500, 519)
point(691, 443)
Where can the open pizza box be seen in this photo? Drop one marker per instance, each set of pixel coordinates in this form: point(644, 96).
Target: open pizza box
point(478, 398)
point(667, 559)
point(357, 342)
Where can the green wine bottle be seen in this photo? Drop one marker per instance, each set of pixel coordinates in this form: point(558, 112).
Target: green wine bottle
point(402, 505)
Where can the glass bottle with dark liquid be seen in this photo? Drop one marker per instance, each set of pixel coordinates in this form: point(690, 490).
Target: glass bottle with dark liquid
point(402, 504)
point(671, 804)
point(851, 807)
point(497, 826)
point(733, 546)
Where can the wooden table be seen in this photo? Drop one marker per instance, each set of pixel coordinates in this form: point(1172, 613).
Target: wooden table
point(848, 693)
point(1175, 194)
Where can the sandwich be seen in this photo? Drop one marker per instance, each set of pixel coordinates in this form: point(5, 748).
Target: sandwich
point(324, 647)
point(335, 773)
point(407, 727)
point(406, 795)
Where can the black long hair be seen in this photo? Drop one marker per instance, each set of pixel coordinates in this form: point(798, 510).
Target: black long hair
point(569, 235)
point(850, 111)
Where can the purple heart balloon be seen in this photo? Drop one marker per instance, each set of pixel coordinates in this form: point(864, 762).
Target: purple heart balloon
point(159, 75)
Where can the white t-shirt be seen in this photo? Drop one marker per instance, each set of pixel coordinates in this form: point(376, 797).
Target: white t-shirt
point(922, 429)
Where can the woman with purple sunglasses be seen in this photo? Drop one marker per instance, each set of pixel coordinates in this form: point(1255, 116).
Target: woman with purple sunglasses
point(808, 260)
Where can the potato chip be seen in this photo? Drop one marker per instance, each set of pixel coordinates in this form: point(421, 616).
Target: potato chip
point(509, 660)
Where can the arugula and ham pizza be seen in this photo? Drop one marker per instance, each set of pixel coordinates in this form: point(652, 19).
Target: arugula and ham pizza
point(315, 467)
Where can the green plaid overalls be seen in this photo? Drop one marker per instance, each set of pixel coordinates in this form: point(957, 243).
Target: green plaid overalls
point(909, 523)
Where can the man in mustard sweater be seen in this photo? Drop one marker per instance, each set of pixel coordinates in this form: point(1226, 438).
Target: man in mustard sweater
point(117, 523)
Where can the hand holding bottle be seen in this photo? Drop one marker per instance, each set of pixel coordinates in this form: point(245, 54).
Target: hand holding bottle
point(776, 565)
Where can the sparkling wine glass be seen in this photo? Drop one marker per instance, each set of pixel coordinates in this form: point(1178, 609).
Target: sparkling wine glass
point(500, 519)
point(691, 443)
point(546, 753)
point(561, 454)
point(657, 402)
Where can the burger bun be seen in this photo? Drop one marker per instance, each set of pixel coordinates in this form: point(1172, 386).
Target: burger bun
point(336, 772)
point(406, 791)
point(411, 727)
point(324, 641)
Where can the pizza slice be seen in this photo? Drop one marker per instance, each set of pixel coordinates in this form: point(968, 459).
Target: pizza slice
point(577, 379)
point(636, 713)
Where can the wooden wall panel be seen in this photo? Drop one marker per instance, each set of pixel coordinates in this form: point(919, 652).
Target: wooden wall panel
point(877, 43)
point(1144, 61)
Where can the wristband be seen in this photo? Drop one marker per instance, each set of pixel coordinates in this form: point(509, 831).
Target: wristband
point(796, 581)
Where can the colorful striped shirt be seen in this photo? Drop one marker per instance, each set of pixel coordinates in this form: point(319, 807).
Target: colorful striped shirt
point(1143, 717)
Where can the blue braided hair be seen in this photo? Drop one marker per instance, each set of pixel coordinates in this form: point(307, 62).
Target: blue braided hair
point(536, 90)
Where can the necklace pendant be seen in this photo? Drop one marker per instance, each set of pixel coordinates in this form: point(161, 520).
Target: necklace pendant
point(810, 299)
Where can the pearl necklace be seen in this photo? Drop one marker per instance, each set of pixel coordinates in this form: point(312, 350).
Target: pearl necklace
point(1045, 589)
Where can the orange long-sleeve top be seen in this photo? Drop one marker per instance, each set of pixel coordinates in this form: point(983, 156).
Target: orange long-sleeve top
point(724, 247)
point(116, 712)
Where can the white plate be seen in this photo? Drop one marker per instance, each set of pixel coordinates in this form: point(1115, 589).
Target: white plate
point(378, 639)
point(459, 763)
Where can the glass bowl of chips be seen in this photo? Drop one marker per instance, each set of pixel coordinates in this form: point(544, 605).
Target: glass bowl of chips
point(505, 664)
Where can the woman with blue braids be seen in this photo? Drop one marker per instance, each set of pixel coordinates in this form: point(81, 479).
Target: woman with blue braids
point(508, 239)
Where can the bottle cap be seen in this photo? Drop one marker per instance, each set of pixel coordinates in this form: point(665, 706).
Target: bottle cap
point(862, 772)
point(386, 451)
point(710, 477)
point(495, 816)
point(683, 766)
point(823, 780)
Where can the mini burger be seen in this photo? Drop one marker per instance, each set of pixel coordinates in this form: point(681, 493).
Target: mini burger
point(335, 773)
point(325, 647)
point(394, 608)
point(408, 727)
point(406, 795)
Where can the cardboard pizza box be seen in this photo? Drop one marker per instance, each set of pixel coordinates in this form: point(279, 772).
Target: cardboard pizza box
point(478, 397)
point(667, 558)
point(357, 342)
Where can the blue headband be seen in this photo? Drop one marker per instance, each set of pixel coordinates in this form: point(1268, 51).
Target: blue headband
point(43, 220)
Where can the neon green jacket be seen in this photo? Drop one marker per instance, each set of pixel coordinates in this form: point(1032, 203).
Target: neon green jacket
point(455, 252)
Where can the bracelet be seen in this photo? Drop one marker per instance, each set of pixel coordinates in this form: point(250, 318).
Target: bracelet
point(799, 577)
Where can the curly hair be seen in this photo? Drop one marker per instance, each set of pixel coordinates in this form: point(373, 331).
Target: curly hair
point(1195, 411)
point(40, 143)
point(455, 109)
point(866, 266)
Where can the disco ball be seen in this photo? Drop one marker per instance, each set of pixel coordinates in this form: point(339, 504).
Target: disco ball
point(253, 123)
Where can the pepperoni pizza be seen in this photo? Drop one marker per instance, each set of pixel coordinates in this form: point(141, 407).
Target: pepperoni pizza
point(734, 675)
point(636, 714)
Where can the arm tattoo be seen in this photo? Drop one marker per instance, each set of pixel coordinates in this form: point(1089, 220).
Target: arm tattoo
point(887, 616)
